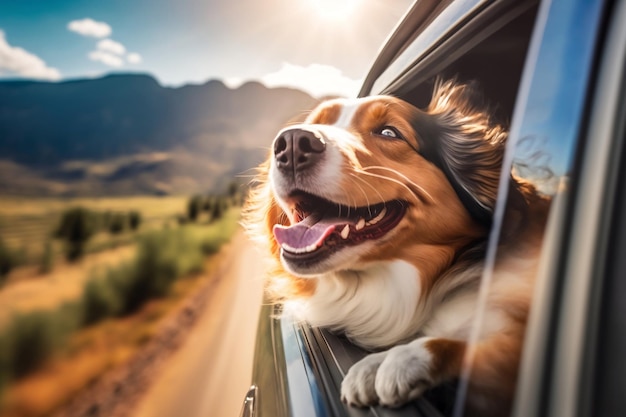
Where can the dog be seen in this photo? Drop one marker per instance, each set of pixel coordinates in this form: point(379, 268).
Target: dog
point(377, 215)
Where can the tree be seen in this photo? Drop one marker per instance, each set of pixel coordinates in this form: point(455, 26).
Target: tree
point(134, 219)
point(193, 207)
point(76, 227)
point(218, 209)
point(7, 261)
point(117, 223)
point(233, 188)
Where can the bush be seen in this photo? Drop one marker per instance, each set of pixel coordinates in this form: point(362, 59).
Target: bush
point(194, 205)
point(9, 259)
point(76, 227)
point(218, 209)
point(134, 220)
point(30, 340)
point(207, 205)
point(117, 223)
point(164, 256)
point(210, 246)
point(103, 296)
point(46, 262)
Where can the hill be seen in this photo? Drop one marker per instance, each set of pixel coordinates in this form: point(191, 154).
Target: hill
point(127, 134)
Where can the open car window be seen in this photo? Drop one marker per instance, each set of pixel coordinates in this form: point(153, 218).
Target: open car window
point(535, 63)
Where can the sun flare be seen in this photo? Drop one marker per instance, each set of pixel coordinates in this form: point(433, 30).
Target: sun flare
point(334, 9)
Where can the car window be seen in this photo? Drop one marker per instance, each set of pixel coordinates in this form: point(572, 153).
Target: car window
point(542, 88)
point(549, 113)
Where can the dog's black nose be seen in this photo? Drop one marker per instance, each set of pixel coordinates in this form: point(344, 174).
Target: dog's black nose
point(297, 150)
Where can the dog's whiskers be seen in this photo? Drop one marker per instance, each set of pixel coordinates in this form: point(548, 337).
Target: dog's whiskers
point(418, 189)
point(369, 205)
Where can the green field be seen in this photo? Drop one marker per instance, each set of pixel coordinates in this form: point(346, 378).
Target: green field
point(26, 224)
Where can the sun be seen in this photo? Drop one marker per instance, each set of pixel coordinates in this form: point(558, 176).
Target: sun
point(334, 9)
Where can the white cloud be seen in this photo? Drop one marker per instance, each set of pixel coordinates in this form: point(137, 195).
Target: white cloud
point(106, 58)
point(89, 27)
point(316, 79)
point(134, 58)
point(108, 45)
point(15, 60)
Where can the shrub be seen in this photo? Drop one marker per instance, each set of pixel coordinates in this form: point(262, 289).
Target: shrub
point(46, 262)
point(117, 223)
point(210, 246)
point(207, 205)
point(194, 206)
point(134, 219)
point(162, 257)
point(30, 340)
point(233, 189)
point(9, 259)
point(76, 227)
point(218, 209)
point(102, 296)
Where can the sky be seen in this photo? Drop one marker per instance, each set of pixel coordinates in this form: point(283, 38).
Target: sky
point(324, 47)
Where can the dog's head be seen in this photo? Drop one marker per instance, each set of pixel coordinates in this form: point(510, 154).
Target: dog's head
point(376, 179)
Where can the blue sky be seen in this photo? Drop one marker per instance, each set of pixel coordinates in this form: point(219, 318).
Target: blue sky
point(317, 45)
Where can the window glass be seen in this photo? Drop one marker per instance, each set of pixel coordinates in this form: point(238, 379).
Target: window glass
point(545, 128)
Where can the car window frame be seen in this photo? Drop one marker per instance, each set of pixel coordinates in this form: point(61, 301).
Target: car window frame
point(562, 325)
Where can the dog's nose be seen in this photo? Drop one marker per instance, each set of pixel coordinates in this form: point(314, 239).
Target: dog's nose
point(297, 150)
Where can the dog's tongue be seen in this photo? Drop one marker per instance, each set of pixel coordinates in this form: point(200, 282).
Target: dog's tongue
point(304, 234)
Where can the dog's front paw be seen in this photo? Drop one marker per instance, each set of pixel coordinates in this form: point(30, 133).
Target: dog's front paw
point(404, 374)
point(358, 386)
point(390, 378)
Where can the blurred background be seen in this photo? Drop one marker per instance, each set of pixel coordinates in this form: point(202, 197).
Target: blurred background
point(129, 133)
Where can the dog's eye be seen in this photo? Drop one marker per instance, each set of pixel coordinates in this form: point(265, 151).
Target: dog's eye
point(389, 132)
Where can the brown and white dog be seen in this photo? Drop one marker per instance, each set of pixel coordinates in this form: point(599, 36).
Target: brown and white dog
point(377, 214)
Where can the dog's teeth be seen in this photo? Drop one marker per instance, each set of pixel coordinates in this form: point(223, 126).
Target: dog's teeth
point(379, 217)
point(360, 224)
point(307, 249)
point(345, 232)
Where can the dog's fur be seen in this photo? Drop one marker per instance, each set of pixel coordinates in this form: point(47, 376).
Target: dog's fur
point(406, 289)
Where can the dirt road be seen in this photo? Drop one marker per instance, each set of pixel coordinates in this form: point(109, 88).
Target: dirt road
point(209, 375)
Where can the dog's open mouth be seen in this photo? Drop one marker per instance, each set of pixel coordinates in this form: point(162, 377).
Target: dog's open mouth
point(323, 227)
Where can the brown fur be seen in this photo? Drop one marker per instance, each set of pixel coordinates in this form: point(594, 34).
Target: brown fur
point(437, 235)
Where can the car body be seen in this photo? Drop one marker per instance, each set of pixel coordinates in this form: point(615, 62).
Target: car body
point(556, 70)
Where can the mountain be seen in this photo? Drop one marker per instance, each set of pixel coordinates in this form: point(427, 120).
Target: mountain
point(127, 134)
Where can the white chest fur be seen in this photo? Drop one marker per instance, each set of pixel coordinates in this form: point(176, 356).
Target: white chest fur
point(376, 307)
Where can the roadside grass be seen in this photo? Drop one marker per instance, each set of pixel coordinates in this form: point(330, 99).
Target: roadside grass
point(27, 222)
point(47, 355)
point(92, 351)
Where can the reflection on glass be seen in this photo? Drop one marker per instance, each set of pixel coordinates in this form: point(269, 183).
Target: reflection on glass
point(546, 121)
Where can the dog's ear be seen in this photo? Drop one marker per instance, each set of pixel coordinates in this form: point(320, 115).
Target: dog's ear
point(460, 138)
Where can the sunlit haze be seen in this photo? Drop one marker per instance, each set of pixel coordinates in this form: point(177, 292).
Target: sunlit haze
point(324, 47)
point(335, 9)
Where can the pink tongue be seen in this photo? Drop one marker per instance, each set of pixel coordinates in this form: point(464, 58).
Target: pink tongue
point(301, 235)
